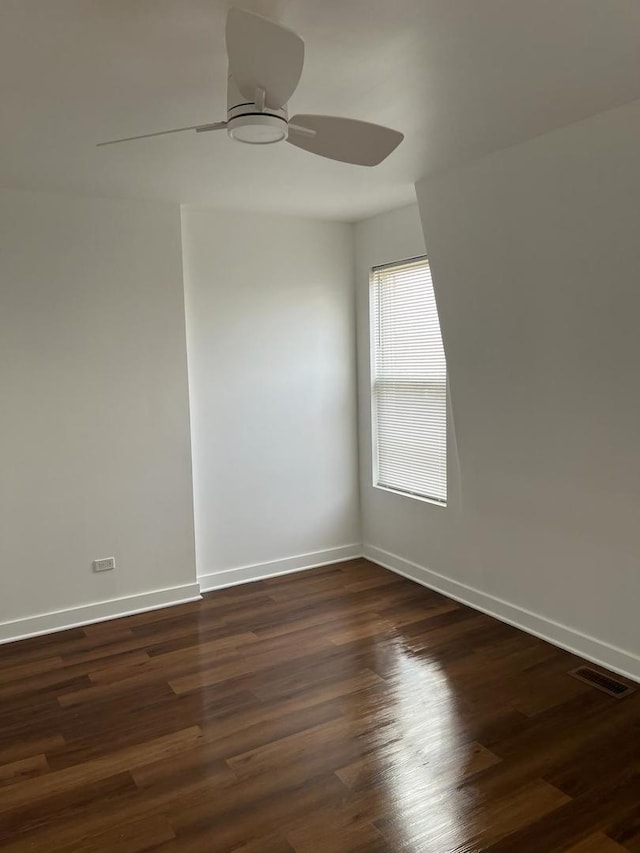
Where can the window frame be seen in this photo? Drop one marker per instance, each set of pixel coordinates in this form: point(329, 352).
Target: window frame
point(372, 398)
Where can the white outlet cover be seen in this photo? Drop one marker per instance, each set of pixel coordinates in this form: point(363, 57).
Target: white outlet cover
point(104, 565)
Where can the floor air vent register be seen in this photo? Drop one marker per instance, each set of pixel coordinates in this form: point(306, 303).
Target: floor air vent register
point(607, 683)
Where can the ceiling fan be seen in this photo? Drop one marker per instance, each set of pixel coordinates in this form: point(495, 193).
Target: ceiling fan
point(265, 64)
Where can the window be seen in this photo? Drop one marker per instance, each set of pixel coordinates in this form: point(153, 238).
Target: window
point(409, 383)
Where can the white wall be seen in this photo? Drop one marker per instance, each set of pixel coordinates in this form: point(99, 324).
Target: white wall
point(95, 446)
point(535, 256)
point(271, 343)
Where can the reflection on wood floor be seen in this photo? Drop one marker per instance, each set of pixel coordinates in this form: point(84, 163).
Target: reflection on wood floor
point(339, 709)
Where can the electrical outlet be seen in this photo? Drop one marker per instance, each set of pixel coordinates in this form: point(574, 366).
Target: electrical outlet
point(104, 565)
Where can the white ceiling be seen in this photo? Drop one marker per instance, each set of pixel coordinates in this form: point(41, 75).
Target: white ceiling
point(459, 77)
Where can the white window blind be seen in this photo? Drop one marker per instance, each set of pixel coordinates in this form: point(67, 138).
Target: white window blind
point(409, 382)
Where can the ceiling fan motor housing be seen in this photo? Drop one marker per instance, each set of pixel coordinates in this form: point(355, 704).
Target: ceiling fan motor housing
point(246, 122)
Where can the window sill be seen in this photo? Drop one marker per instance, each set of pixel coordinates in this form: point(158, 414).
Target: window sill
point(432, 501)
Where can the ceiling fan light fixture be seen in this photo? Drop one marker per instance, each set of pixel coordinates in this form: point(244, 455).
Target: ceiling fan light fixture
point(260, 129)
point(265, 64)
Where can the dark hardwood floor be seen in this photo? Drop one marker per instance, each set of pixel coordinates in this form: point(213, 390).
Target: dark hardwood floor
point(339, 709)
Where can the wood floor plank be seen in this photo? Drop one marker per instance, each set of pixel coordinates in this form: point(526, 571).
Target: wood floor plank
point(626, 830)
point(28, 748)
point(337, 837)
point(62, 814)
point(574, 820)
point(597, 843)
point(340, 710)
point(32, 668)
point(208, 840)
point(102, 768)
point(134, 836)
point(25, 768)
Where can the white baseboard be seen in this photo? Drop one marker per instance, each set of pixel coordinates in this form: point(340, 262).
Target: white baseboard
point(597, 651)
point(273, 568)
point(101, 611)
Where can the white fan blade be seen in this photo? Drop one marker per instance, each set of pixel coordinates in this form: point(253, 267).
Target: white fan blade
point(199, 128)
point(215, 125)
point(344, 139)
point(263, 55)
